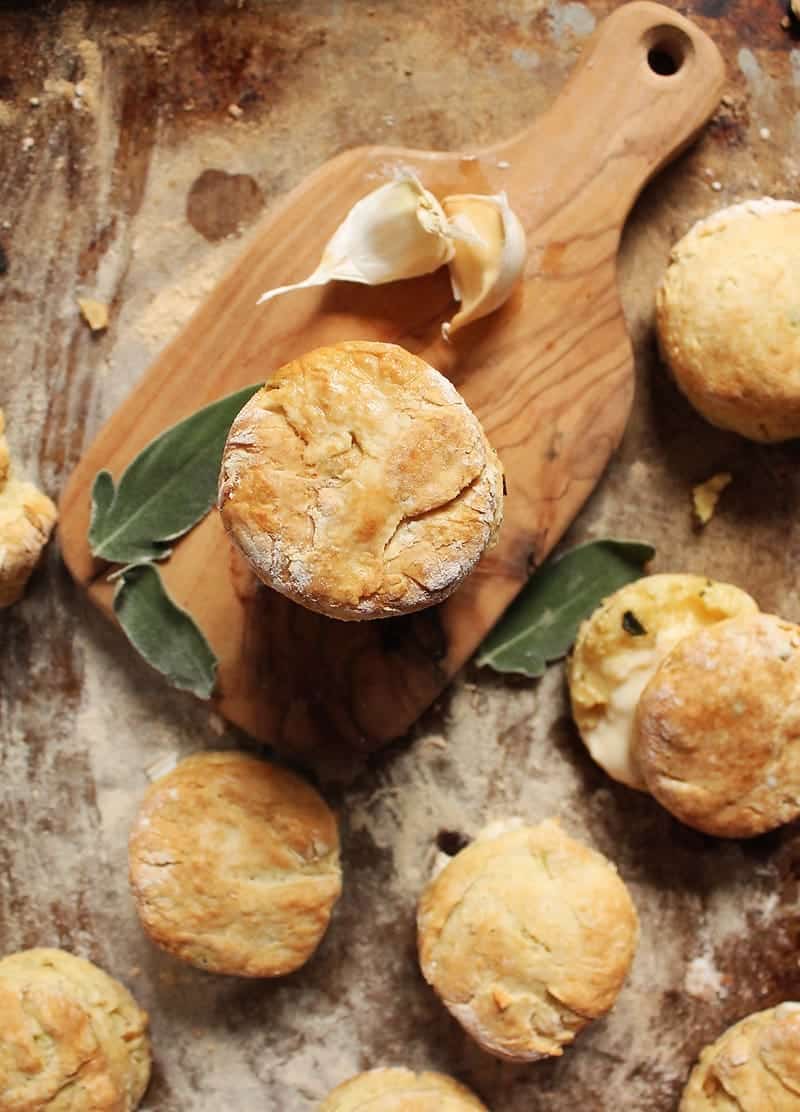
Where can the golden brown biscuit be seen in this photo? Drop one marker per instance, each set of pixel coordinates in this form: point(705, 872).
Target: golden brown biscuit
point(619, 648)
point(728, 318)
point(753, 1067)
point(27, 518)
point(526, 937)
point(234, 865)
point(358, 483)
point(72, 1039)
point(718, 727)
point(401, 1090)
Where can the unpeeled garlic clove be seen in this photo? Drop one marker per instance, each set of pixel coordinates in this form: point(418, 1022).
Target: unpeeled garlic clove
point(489, 255)
point(397, 231)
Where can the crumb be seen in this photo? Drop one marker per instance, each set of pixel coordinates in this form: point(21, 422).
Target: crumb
point(161, 766)
point(28, 143)
point(706, 495)
point(34, 102)
point(503, 164)
point(95, 313)
point(501, 998)
point(716, 186)
point(764, 133)
point(216, 724)
point(235, 112)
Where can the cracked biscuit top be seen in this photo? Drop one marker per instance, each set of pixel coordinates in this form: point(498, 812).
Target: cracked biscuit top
point(72, 1038)
point(234, 865)
point(358, 482)
point(753, 1066)
point(401, 1090)
point(526, 937)
point(718, 727)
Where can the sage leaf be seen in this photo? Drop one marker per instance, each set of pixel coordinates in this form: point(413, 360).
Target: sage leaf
point(166, 489)
point(541, 624)
point(162, 632)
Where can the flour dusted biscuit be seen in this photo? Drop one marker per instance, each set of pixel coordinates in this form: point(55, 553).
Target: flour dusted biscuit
point(728, 318)
point(621, 645)
point(72, 1039)
point(234, 865)
point(526, 937)
point(753, 1067)
point(718, 727)
point(358, 483)
point(401, 1090)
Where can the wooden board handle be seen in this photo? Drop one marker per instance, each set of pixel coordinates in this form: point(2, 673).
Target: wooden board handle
point(550, 375)
point(645, 84)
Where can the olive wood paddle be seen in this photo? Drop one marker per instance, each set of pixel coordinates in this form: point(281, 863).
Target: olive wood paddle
point(550, 376)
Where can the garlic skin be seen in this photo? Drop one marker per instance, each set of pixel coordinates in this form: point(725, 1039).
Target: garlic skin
point(397, 231)
point(489, 255)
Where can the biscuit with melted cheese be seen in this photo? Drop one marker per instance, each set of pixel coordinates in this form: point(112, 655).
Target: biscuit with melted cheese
point(234, 865)
point(620, 646)
point(401, 1090)
point(728, 318)
point(358, 483)
point(718, 727)
point(72, 1039)
point(526, 937)
point(752, 1067)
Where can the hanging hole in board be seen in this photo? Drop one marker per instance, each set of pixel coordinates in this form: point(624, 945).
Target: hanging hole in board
point(667, 50)
point(662, 61)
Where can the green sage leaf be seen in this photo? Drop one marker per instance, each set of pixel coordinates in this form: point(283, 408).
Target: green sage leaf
point(162, 632)
point(541, 624)
point(166, 489)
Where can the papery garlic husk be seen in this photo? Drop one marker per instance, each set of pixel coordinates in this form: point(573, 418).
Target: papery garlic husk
point(489, 254)
point(397, 231)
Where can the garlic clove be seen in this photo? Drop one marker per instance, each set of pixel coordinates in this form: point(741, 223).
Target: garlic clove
point(397, 231)
point(489, 255)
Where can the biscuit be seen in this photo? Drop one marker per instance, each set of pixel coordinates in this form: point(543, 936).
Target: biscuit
point(401, 1090)
point(718, 727)
point(27, 518)
point(72, 1039)
point(358, 483)
point(619, 647)
point(234, 865)
point(753, 1066)
point(526, 937)
point(728, 318)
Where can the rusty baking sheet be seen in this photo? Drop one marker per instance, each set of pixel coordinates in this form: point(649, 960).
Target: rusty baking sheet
point(159, 134)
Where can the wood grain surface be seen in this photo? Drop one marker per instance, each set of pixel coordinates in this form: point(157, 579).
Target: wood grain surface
point(551, 377)
point(141, 192)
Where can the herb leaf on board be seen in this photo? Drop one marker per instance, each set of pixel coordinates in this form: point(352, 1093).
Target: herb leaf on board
point(162, 632)
point(166, 489)
point(541, 623)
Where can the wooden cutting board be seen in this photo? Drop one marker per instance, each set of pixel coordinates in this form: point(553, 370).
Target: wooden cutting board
point(550, 375)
